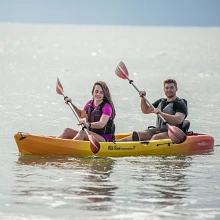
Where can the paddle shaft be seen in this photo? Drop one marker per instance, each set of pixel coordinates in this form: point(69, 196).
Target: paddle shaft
point(73, 110)
point(131, 82)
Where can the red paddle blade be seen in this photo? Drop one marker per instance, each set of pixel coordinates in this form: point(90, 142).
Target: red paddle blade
point(59, 87)
point(94, 144)
point(121, 71)
point(176, 134)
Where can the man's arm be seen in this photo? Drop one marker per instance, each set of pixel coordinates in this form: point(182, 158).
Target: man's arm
point(173, 119)
point(145, 108)
point(181, 112)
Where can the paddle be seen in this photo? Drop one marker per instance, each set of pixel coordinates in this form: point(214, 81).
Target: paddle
point(94, 144)
point(175, 133)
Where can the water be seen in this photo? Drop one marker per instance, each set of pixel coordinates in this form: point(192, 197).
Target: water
point(65, 187)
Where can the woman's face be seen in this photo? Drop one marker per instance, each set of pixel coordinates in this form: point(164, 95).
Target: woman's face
point(98, 93)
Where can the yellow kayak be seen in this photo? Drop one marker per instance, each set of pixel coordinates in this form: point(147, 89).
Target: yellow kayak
point(50, 145)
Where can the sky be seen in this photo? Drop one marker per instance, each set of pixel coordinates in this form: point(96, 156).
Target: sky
point(113, 12)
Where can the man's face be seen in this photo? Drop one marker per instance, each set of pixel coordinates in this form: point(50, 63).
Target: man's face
point(170, 90)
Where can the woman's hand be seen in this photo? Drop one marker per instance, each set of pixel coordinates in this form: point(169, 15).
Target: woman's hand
point(84, 123)
point(68, 100)
point(142, 93)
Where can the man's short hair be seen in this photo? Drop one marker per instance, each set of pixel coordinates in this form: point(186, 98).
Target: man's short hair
point(167, 81)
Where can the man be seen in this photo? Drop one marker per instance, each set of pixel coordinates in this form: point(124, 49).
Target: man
point(172, 109)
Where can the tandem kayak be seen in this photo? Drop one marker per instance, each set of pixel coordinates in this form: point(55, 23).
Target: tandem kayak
point(50, 145)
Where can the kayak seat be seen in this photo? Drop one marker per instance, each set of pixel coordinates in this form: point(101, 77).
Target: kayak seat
point(185, 126)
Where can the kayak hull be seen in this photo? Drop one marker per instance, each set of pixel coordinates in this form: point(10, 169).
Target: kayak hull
point(50, 145)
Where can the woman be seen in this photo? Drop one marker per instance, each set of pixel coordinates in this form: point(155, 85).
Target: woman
point(99, 113)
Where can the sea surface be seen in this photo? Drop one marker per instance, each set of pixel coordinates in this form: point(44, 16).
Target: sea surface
point(126, 188)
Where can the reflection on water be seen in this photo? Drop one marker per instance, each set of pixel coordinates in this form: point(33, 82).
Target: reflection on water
point(173, 185)
point(84, 185)
point(164, 177)
point(91, 183)
point(99, 188)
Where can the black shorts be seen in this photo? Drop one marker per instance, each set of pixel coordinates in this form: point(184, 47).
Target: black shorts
point(153, 131)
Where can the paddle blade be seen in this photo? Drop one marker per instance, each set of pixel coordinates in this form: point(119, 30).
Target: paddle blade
point(94, 144)
point(121, 71)
point(176, 134)
point(59, 87)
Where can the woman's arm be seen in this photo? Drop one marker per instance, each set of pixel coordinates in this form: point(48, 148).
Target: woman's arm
point(80, 113)
point(99, 124)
